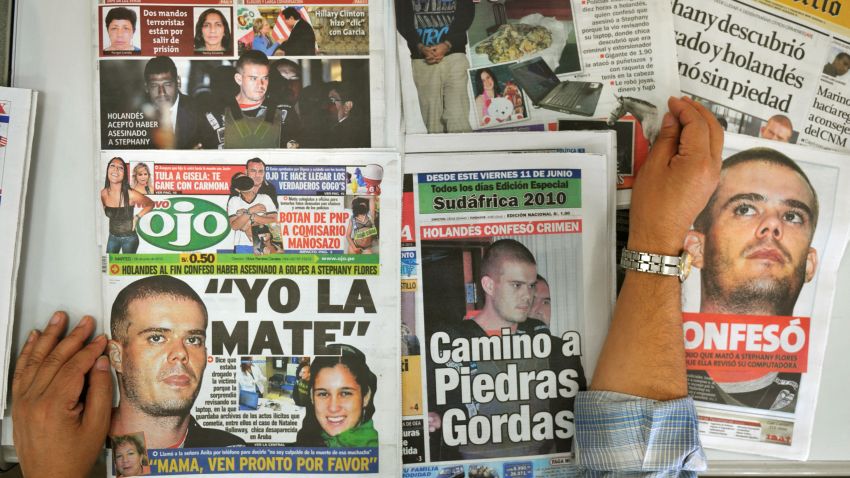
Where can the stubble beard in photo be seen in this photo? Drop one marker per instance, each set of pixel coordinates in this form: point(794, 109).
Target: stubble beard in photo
point(175, 407)
point(756, 296)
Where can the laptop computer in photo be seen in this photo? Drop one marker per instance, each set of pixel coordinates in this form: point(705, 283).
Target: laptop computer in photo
point(546, 91)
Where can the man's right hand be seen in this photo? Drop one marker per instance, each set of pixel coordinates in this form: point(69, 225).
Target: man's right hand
point(57, 432)
point(678, 178)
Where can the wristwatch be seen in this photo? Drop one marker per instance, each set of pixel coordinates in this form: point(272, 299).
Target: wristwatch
point(657, 263)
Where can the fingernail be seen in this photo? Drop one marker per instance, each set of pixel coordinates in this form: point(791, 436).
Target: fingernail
point(84, 321)
point(668, 120)
point(57, 317)
point(32, 336)
point(102, 363)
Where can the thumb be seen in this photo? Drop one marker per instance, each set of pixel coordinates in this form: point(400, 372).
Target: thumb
point(98, 411)
point(667, 142)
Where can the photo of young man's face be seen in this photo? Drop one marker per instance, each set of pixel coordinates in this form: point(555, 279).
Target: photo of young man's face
point(512, 290)
point(162, 363)
point(756, 251)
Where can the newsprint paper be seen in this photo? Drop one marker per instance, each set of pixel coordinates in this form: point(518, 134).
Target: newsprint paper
point(242, 74)
point(775, 69)
point(757, 307)
point(17, 124)
point(499, 327)
point(249, 298)
point(538, 65)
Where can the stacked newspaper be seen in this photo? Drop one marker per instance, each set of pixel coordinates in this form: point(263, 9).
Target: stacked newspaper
point(490, 368)
point(17, 120)
point(539, 66)
point(243, 74)
point(249, 286)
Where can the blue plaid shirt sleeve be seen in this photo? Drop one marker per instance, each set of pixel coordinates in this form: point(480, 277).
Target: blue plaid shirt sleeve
point(624, 435)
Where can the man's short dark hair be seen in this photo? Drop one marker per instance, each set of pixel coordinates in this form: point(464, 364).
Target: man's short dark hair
point(146, 288)
point(158, 65)
point(345, 91)
point(542, 279)
point(841, 55)
point(251, 57)
point(286, 62)
point(705, 219)
point(504, 250)
point(121, 13)
point(291, 12)
point(781, 119)
point(255, 160)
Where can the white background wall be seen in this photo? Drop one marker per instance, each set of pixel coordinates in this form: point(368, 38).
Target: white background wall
point(60, 264)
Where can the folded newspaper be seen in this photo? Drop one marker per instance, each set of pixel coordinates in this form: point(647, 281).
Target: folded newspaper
point(775, 69)
point(17, 125)
point(248, 300)
point(757, 308)
point(243, 74)
point(499, 326)
point(541, 65)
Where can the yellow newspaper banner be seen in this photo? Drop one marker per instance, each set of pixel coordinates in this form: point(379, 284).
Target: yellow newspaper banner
point(833, 15)
point(408, 285)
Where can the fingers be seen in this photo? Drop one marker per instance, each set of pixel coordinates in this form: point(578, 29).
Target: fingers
point(68, 382)
point(667, 142)
point(28, 366)
point(695, 131)
point(98, 399)
point(715, 130)
point(22, 379)
point(55, 359)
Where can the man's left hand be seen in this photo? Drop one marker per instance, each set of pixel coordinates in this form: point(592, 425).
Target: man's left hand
point(440, 50)
point(57, 432)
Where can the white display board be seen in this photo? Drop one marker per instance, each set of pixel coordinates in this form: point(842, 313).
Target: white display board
point(60, 264)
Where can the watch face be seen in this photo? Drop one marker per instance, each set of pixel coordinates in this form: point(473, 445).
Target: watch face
point(685, 262)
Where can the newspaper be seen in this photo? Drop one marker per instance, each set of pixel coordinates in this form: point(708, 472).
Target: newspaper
point(498, 327)
point(775, 69)
point(594, 142)
point(243, 74)
point(17, 125)
point(248, 298)
point(546, 65)
point(758, 305)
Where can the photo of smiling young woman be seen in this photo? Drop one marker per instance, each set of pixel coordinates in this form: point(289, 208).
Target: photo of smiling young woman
point(342, 391)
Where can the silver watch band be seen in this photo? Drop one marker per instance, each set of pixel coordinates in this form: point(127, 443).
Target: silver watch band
point(654, 263)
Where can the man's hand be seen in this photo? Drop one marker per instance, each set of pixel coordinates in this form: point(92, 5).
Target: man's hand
point(644, 353)
point(57, 432)
point(678, 178)
point(439, 51)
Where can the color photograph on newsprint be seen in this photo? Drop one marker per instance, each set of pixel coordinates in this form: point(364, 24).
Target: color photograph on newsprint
point(241, 74)
point(541, 65)
point(765, 253)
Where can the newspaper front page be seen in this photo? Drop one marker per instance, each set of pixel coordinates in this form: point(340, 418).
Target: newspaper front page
point(242, 74)
point(766, 252)
point(775, 69)
point(248, 297)
point(538, 65)
point(499, 329)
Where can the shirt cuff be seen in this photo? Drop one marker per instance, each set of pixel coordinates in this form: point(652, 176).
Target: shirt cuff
point(622, 433)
